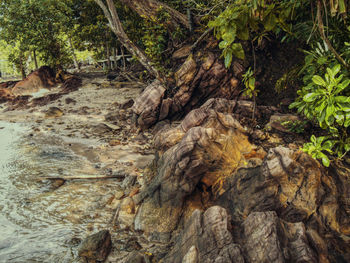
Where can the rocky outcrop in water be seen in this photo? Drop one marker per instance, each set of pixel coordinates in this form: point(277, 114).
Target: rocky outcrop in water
point(95, 248)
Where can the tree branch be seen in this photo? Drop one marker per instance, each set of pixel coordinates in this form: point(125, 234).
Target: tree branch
point(324, 37)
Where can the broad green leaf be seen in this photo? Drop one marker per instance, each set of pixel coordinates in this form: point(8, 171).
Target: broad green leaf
point(228, 58)
point(229, 37)
point(223, 44)
point(310, 97)
point(342, 99)
point(336, 69)
point(313, 139)
point(347, 123)
point(319, 81)
point(325, 159)
point(237, 50)
point(330, 110)
point(343, 85)
point(347, 147)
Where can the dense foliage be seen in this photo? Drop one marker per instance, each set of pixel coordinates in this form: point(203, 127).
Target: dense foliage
point(53, 31)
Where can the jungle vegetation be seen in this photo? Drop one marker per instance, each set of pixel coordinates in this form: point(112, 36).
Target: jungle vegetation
point(61, 33)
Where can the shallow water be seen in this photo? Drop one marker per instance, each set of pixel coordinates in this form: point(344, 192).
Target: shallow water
point(39, 223)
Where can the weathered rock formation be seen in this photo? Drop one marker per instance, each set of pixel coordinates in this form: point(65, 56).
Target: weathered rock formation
point(205, 148)
point(18, 93)
point(262, 237)
point(283, 206)
point(201, 77)
point(44, 77)
point(95, 248)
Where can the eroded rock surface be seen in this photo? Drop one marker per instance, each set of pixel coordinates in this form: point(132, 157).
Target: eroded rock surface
point(203, 154)
point(44, 77)
point(263, 237)
point(206, 238)
point(295, 186)
point(95, 248)
point(283, 205)
point(201, 77)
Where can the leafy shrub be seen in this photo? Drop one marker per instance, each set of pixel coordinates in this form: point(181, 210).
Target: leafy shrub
point(325, 101)
point(250, 20)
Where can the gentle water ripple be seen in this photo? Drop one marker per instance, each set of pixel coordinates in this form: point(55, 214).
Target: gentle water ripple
point(38, 224)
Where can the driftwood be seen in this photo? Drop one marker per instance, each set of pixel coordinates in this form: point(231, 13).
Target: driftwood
point(79, 177)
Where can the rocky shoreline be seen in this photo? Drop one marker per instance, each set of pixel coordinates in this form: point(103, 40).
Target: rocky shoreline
point(207, 189)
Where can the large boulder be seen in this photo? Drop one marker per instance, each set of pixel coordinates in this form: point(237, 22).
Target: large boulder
point(206, 238)
point(95, 248)
point(207, 147)
point(263, 237)
point(44, 77)
point(299, 189)
point(201, 77)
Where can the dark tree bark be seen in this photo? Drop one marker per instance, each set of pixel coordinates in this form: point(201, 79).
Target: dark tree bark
point(22, 66)
point(35, 60)
point(117, 28)
point(149, 8)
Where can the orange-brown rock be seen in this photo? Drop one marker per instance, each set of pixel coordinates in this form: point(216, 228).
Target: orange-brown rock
point(44, 77)
point(207, 147)
point(6, 95)
point(294, 185)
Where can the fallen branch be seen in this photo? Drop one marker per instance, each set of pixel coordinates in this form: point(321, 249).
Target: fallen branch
point(193, 47)
point(79, 177)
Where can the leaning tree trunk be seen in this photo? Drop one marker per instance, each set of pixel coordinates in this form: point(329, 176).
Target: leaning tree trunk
point(116, 26)
point(150, 8)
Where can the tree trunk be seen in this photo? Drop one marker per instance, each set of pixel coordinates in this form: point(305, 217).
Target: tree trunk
point(35, 60)
point(108, 55)
point(76, 63)
point(123, 57)
point(115, 54)
point(150, 8)
point(21, 66)
point(117, 28)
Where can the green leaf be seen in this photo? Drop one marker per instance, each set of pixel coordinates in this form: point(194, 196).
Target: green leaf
point(270, 22)
point(329, 113)
point(223, 44)
point(347, 123)
point(336, 69)
point(228, 58)
point(229, 37)
point(313, 139)
point(319, 81)
point(237, 50)
point(243, 33)
point(325, 159)
point(342, 99)
point(310, 97)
